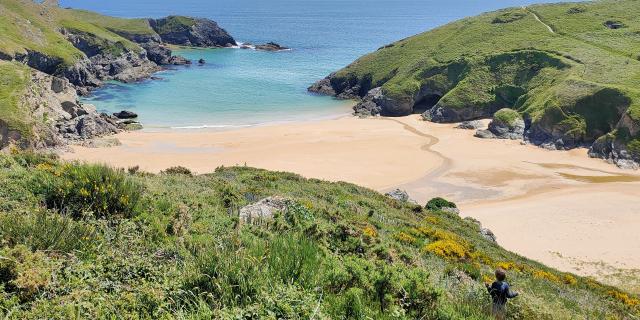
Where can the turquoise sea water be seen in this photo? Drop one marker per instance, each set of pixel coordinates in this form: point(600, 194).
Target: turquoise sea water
point(245, 87)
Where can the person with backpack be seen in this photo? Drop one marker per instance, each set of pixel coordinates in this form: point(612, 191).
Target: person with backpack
point(500, 292)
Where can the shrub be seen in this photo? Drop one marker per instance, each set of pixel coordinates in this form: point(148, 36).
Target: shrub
point(406, 238)
point(448, 249)
point(44, 230)
point(439, 203)
point(77, 189)
point(23, 272)
point(177, 170)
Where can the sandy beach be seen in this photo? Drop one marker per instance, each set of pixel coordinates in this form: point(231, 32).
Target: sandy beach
point(558, 207)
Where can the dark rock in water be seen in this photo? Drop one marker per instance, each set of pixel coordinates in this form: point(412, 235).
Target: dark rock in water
point(614, 24)
point(399, 195)
point(470, 125)
point(323, 87)
point(202, 61)
point(179, 60)
point(246, 45)
point(270, 46)
point(125, 114)
point(187, 31)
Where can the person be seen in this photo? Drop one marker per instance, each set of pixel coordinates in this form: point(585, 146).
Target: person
point(500, 292)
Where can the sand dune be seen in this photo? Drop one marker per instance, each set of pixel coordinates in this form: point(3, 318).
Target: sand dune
point(561, 208)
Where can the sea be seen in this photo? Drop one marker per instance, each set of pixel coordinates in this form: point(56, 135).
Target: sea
point(240, 88)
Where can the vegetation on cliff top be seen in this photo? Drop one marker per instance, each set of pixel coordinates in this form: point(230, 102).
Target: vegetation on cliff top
point(561, 65)
point(85, 241)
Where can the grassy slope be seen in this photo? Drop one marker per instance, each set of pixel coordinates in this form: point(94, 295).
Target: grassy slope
point(475, 61)
point(26, 25)
point(340, 251)
point(14, 79)
point(174, 23)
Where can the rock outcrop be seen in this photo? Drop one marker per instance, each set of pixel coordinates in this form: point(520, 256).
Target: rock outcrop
point(470, 125)
point(263, 210)
point(55, 115)
point(506, 124)
point(187, 31)
point(399, 195)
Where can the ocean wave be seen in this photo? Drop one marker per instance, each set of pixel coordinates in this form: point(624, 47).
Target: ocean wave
point(213, 126)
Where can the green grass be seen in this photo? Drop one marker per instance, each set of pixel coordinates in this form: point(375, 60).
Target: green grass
point(129, 26)
point(23, 27)
point(507, 116)
point(508, 59)
point(173, 24)
point(14, 79)
point(339, 252)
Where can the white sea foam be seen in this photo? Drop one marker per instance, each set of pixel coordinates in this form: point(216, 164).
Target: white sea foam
point(216, 126)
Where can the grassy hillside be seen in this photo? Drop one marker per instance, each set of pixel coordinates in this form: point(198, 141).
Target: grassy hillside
point(560, 65)
point(85, 241)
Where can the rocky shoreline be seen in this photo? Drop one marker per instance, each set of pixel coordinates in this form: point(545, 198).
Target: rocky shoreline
point(55, 85)
point(374, 102)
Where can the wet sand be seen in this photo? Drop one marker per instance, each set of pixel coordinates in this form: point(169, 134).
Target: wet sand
point(559, 207)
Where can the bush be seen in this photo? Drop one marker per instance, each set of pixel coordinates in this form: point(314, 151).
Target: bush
point(439, 203)
point(178, 170)
point(44, 230)
point(77, 189)
point(448, 249)
point(23, 272)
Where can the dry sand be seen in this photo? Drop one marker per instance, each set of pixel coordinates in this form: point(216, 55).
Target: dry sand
point(561, 208)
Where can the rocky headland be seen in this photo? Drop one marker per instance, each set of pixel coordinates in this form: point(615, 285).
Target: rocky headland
point(570, 86)
point(58, 54)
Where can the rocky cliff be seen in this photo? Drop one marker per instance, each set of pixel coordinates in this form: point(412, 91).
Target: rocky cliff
point(570, 75)
point(60, 52)
point(188, 31)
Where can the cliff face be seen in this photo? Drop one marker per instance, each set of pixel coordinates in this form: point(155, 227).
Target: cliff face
point(187, 31)
point(47, 113)
point(571, 75)
point(44, 44)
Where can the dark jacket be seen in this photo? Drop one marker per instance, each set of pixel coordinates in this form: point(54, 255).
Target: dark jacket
point(500, 292)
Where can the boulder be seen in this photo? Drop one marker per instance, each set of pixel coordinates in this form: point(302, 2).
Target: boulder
point(73, 109)
point(58, 84)
point(614, 24)
point(399, 195)
point(488, 234)
point(125, 114)
point(202, 61)
point(470, 125)
point(263, 209)
point(94, 125)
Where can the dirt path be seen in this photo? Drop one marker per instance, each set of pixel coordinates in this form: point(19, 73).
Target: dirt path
point(539, 20)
